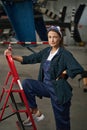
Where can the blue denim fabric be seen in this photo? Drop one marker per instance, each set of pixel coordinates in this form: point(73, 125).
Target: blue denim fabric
point(46, 67)
point(34, 88)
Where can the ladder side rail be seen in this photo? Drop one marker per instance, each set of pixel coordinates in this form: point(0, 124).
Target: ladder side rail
point(12, 66)
point(26, 105)
point(3, 87)
point(16, 76)
point(6, 100)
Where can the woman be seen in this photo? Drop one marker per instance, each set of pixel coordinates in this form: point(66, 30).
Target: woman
point(57, 64)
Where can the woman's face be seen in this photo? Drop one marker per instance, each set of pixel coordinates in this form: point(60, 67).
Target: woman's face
point(54, 39)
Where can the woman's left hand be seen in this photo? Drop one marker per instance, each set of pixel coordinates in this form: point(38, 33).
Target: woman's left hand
point(85, 81)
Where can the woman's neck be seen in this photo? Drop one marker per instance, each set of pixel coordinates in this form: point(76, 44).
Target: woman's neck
point(53, 50)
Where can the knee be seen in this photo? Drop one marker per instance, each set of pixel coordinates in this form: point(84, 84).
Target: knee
point(25, 83)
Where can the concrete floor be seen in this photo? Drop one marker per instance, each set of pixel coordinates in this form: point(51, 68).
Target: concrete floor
point(79, 100)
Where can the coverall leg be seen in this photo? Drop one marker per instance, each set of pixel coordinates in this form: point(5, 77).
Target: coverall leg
point(34, 88)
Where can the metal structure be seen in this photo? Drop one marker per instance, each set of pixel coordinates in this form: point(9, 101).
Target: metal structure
point(73, 21)
point(20, 14)
point(8, 93)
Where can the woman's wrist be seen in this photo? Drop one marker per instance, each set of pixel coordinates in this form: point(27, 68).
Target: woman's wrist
point(17, 58)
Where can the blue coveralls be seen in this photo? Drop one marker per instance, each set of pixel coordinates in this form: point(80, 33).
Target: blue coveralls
point(34, 88)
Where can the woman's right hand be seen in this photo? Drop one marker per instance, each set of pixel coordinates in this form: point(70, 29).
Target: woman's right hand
point(17, 58)
point(7, 52)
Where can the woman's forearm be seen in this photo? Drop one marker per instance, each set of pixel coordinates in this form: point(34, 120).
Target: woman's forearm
point(17, 58)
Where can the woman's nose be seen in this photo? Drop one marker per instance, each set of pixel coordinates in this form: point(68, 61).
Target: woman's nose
point(52, 39)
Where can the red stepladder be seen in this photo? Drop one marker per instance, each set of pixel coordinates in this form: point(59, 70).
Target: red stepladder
point(9, 93)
